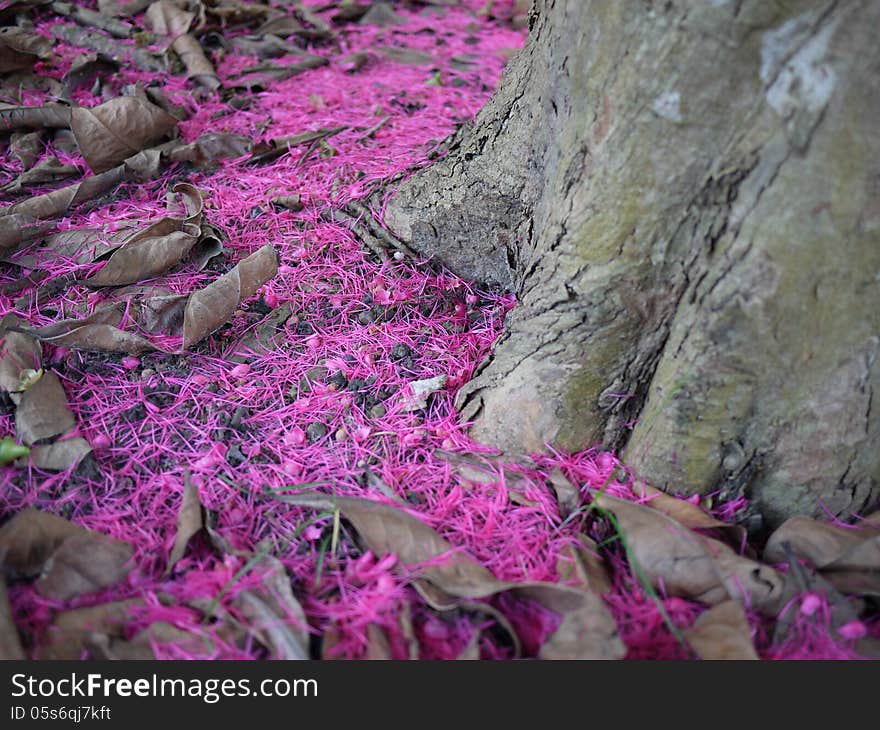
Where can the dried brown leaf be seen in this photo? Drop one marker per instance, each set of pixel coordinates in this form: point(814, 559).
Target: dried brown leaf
point(209, 308)
point(96, 332)
point(60, 456)
point(567, 494)
point(407, 56)
point(72, 631)
point(385, 529)
point(827, 547)
point(156, 249)
point(48, 170)
point(684, 563)
point(688, 514)
point(274, 614)
point(265, 74)
point(722, 632)
point(586, 630)
point(211, 148)
point(29, 539)
point(19, 228)
point(26, 147)
point(51, 116)
point(21, 49)
point(141, 166)
point(18, 353)
point(10, 642)
point(190, 520)
point(580, 565)
point(42, 411)
point(110, 133)
point(274, 148)
point(378, 645)
point(84, 564)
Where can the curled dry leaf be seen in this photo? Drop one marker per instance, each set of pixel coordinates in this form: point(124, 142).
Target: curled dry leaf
point(567, 494)
point(47, 170)
point(26, 147)
point(113, 131)
point(688, 514)
point(586, 630)
point(128, 55)
point(210, 307)
point(683, 563)
point(386, 529)
point(10, 642)
point(141, 166)
point(407, 56)
point(92, 18)
point(142, 646)
point(190, 520)
point(156, 249)
point(825, 546)
point(722, 632)
point(171, 22)
point(19, 353)
point(580, 565)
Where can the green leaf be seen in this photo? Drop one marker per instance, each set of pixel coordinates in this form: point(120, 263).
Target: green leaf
point(10, 451)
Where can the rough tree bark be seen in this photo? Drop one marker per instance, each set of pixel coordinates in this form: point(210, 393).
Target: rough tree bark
point(685, 197)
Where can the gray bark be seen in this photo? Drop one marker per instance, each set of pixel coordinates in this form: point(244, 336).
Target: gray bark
point(685, 197)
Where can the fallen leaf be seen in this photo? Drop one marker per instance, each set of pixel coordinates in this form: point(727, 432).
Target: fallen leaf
point(274, 614)
point(827, 547)
point(582, 566)
point(212, 147)
point(142, 646)
point(274, 148)
point(167, 20)
point(10, 642)
point(51, 116)
point(722, 632)
point(382, 15)
point(154, 250)
point(71, 631)
point(84, 563)
point(10, 450)
point(190, 520)
point(18, 353)
point(683, 563)
point(586, 630)
point(48, 170)
point(567, 494)
point(209, 308)
point(688, 514)
point(113, 131)
point(29, 539)
point(61, 455)
point(407, 56)
point(42, 411)
point(385, 529)
point(26, 147)
point(264, 75)
point(20, 49)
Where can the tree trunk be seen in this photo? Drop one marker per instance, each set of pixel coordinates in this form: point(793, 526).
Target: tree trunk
point(685, 196)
